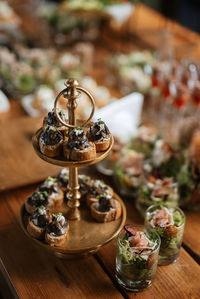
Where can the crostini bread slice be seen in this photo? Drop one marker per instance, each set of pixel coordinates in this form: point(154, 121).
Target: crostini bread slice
point(35, 231)
point(30, 209)
point(57, 198)
point(113, 214)
point(90, 199)
point(51, 150)
point(102, 144)
point(53, 240)
point(89, 153)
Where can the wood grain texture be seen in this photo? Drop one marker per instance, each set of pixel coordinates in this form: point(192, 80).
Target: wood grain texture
point(19, 165)
point(148, 25)
point(32, 269)
point(192, 231)
point(7, 290)
point(38, 274)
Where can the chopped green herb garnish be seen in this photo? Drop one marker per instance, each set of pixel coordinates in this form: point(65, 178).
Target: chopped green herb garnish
point(83, 178)
point(100, 121)
point(45, 193)
point(57, 215)
point(51, 179)
point(178, 218)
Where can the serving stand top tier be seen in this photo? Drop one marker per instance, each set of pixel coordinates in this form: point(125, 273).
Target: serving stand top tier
point(71, 93)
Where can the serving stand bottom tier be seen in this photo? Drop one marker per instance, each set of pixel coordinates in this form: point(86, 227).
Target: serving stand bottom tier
point(85, 236)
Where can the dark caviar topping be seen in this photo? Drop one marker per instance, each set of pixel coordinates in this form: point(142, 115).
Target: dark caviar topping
point(52, 120)
point(99, 130)
point(63, 178)
point(77, 139)
point(40, 217)
point(85, 184)
point(58, 226)
point(98, 191)
point(51, 136)
point(38, 198)
point(52, 187)
point(104, 204)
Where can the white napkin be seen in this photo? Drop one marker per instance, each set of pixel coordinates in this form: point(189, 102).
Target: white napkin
point(122, 116)
point(4, 103)
point(120, 12)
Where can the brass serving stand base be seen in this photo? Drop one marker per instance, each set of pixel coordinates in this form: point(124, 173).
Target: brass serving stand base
point(85, 235)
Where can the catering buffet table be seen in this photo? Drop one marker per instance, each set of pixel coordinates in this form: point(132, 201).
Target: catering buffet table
point(36, 273)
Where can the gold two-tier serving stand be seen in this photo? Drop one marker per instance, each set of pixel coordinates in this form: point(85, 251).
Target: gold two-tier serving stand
point(85, 235)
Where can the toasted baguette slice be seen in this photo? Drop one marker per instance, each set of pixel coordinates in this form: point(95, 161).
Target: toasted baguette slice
point(88, 153)
point(30, 209)
point(56, 240)
point(62, 129)
point(57, 198)
point(90, 199)
point(35, 231)
point(112, 214)
point(103, 145)
point(51, 150)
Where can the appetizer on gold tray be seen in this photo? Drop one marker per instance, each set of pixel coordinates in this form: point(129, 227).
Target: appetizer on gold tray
point(47, 225)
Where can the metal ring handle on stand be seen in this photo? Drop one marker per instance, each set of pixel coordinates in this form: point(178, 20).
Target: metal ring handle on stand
point(63, 93)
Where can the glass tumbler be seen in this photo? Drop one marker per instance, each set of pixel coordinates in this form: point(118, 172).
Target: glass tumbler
point(137, 258)
point(169, 225)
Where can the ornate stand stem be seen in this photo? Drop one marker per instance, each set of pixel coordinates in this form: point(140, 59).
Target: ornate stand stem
point(73, 195)
point(71, 93)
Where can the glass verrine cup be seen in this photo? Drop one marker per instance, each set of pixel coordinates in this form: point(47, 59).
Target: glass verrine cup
point(157, 191)
point(169, 225)
point(129, 172)
point(137, 257)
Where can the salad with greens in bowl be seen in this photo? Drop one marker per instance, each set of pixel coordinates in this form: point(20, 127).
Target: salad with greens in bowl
point(137, 257)
point(166, 159)
point(145, 140)
point(129, 172)
point(169, 224)
point(157, 191)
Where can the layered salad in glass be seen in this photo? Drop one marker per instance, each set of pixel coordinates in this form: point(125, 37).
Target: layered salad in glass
point(145, 140)
point(129, 172)
point(137, 257)
point(157, 191)
point(166, 159)
point(168, 223)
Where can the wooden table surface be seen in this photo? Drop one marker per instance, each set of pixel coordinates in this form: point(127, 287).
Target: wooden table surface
point(35, 273)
